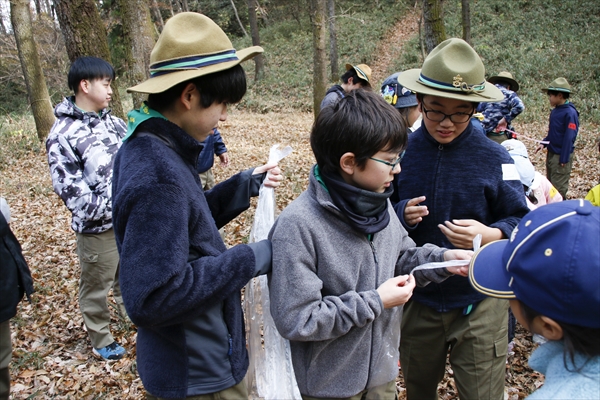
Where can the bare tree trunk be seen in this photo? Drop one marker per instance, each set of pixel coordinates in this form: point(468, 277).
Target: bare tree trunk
point(333, 52)
point(3, 30)
point(466, 20)
point(175, 7)
point(139, 40)
point(184, 6)
point(258, 60)
point(318, 13)
point(159, 23)
point(85, 35)
point(41, 106)
point(38, 7)
point(433, 17)
point(421, 40)
point(238, 18)
point(262, 13)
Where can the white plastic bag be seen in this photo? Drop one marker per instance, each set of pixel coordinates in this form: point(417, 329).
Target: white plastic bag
point(270, 375)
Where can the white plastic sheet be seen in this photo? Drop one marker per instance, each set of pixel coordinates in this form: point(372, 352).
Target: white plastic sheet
point(452, 263)
point(270, 375)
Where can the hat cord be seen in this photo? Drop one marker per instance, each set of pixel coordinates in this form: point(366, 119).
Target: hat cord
point(457, 84)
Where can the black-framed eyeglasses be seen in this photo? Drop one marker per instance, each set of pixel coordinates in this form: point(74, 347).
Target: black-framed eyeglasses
point(438, 116)
point(391, 164)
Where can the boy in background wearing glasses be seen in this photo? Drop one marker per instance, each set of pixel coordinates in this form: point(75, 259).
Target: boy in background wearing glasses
point(460, 184)
point(341, 259)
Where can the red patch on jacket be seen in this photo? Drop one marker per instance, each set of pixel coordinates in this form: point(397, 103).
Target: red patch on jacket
point(572, 126)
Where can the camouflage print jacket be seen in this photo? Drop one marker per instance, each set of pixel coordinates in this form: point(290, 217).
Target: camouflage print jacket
point(81, 149)
point(508, 109)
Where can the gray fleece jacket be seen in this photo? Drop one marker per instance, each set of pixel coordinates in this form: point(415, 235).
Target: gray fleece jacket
point(324, 299)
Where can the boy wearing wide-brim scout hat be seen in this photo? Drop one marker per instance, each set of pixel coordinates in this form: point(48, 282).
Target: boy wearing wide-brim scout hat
point(355, 77)
point(563, 128)
point(180, 283)
point(498, 116)
point(455, 184)
point(363, 72)
point(505, 78)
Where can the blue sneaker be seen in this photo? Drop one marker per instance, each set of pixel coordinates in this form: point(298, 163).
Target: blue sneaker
point(113, 351)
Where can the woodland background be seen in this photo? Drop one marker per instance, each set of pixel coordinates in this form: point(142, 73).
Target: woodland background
point(535, 40)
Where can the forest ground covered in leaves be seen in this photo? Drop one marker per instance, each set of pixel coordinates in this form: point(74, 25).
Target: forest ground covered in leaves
point(52, 356)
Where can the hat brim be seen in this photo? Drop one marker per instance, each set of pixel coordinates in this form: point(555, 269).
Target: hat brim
point(555, 89)
point(410, 80)
point(164, 82)
point(406, 101)
point(514, 85)
point(487, 272)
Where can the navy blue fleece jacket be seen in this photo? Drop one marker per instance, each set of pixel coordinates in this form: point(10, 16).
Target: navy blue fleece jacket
point(180, 284)
point(461, 180)
point(213, 145)
point(562, 131)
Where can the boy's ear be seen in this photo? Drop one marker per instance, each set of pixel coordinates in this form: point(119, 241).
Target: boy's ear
point(84, 86)
point(189, 95)
point(548, 328)
point(348, 163)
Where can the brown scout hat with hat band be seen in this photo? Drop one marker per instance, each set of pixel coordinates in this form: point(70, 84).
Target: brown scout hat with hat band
point(558, 85)
point(191, 45)
point(452, 70)
point(507, 77)
point(362, 70)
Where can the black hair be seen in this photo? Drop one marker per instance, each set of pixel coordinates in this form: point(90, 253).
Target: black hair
point(351, 73)
point(565, 95)
point(88, 68)
point(405, 111)
point(227, 86)
point(361, 123)
point(504, 84)
point(576, 339)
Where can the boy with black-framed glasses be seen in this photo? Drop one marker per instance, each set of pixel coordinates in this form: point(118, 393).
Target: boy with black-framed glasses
point(460, 184)
point(341, 259)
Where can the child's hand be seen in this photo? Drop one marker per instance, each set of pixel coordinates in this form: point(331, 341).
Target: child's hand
point(461, 232)
point(413, 212)
point(502, 125)
point(224, 159)
point(539, 147)
point(396, 291)
point(459, 255)
point(274, 176)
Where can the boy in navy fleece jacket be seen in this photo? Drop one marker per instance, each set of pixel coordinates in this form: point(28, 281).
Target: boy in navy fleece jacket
point(562, 132)
point(180, 283)
point(466, 185)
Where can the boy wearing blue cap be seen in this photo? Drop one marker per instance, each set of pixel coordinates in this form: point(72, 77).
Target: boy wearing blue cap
point(403, 99)
point(549, 270)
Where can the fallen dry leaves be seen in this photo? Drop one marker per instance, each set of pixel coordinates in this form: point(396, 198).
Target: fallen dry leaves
point(51, 352)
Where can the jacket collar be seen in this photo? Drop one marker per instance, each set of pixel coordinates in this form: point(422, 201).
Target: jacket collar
point(453, 144)
point(175, 137)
